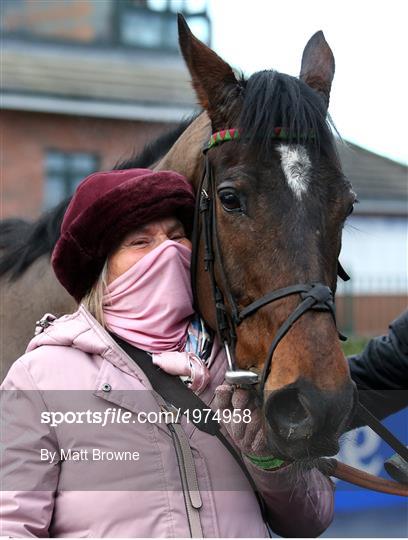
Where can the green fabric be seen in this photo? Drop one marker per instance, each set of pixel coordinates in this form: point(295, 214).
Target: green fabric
point(265, 462)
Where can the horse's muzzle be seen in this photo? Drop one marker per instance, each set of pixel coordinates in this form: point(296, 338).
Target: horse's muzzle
point(303, 421)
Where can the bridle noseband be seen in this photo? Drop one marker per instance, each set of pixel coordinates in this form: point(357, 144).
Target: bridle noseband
point(314, 296)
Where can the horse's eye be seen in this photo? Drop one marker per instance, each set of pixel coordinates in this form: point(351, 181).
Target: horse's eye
point(350, 210)
point(351, 207)
point(230, 200)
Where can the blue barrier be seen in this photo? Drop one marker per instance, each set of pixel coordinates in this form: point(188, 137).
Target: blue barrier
point(362, 448)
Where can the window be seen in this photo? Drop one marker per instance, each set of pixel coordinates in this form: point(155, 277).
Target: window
point(63, 172)
point(153, 24)
point(82, 21)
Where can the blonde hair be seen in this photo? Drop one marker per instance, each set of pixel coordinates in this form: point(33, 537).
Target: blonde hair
point(93, 300)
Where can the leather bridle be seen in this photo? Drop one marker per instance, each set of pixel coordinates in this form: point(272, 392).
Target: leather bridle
point(314, 296)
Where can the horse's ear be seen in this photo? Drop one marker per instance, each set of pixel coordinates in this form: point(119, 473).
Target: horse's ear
point(212, 78)
point(317, 69)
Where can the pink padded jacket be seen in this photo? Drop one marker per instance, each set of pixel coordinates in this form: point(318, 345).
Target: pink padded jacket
point(80, 479)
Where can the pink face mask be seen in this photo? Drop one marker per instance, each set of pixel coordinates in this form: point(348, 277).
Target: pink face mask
point(151, 304)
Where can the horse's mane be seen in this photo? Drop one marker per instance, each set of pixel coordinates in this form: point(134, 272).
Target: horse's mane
point(272, 100)
point(23, 242)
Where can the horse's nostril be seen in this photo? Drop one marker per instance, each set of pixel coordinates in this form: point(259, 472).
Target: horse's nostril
point(287, 412)
point(288, 405)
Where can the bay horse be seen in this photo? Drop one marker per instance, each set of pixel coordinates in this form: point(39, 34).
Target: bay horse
point(280, 203)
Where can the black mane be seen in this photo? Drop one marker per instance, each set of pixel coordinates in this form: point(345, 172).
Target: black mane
point(273, 100)
point(25, 242)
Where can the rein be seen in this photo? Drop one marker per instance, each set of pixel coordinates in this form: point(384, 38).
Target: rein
point(314, 296)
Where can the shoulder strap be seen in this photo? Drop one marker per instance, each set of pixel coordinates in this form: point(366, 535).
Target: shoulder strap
point(174, 391)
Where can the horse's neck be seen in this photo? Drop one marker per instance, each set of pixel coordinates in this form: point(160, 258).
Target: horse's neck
point(185, 156)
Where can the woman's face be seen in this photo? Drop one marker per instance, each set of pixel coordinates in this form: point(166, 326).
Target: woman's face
point(141, 241)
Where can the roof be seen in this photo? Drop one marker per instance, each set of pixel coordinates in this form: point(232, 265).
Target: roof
point(79, 74)
point(380, 183)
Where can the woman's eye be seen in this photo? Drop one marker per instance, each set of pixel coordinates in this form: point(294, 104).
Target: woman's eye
point(230, 200)
point(178, 237)
point(139, 242)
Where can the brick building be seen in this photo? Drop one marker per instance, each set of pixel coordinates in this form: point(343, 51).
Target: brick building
point(85, 84)
point(375, 243)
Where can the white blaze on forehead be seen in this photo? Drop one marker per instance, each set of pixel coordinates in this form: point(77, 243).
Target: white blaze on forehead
point(296, 166)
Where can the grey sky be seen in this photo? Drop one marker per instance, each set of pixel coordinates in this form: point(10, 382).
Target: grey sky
point(369, 42)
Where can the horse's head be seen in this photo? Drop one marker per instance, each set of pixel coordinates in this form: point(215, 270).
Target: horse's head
point(280, 206)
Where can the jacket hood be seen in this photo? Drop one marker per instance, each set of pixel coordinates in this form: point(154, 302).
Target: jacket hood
point(78, 330)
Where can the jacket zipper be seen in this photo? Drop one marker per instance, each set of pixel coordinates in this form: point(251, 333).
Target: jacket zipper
point(185, 460)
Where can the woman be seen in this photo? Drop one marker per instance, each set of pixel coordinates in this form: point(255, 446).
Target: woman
point(73, 465)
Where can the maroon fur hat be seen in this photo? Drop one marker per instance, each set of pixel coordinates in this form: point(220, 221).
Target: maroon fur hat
point(105, 207)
